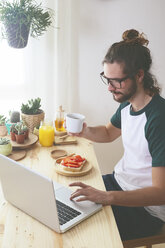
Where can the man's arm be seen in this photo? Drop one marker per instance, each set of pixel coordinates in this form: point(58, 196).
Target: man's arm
point(102, 134)
point(149, 196)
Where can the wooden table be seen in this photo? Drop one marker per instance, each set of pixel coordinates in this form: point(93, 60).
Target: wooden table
point(18, 230)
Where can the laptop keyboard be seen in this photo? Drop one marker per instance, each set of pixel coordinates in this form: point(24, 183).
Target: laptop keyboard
point(65, 213)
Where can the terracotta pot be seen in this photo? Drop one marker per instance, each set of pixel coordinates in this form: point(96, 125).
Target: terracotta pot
point(3, 130)
point(26, 134)
point(20, 138)
point(13, 137)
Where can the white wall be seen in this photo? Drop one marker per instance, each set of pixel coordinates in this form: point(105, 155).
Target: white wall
point(101, 23)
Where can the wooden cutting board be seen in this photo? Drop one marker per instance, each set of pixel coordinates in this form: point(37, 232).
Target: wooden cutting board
point(68, 140)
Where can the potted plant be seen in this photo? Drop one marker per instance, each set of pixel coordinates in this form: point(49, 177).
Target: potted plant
point(32, 114)
point(14, 118)
point(3, 129)
point(26, 131)
point(21, 17)
point(13, 132)
point(5, 146)
point(20, 134)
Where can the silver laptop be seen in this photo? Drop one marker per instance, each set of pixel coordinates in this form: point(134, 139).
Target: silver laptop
point(38, 196)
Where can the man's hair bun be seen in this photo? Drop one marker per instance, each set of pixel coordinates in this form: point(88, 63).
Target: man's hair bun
point(133, 36)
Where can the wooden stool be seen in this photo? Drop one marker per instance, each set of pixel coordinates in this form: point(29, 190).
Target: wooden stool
point(146, 242)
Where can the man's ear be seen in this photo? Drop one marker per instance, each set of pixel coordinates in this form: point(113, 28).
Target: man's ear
point(140, 76)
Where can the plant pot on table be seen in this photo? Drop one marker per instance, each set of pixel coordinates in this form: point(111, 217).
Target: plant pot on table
point(26, 134)
point(32, 121)
point(12, 136)
point(20, 138)
point(3, 130)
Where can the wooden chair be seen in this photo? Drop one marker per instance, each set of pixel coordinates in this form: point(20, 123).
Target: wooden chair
point(146, 242)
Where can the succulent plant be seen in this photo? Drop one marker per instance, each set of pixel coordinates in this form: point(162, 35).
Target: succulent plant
point(2, 120)
point(14, 116)
point(13, 129)
point(25, 128)
point(19, 128)
point(32, 107)
point(4, 141)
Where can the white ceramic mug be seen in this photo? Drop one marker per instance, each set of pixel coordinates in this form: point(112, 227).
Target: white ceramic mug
point(74, 122)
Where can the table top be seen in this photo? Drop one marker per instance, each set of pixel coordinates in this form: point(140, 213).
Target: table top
point(18, 230)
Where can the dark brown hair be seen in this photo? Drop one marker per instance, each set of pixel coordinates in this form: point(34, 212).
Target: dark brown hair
point(133, 52)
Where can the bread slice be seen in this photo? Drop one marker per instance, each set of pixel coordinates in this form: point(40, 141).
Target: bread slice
point(72, 168)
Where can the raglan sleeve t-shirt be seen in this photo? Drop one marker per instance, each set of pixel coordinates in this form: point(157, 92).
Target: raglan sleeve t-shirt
point(143, 136)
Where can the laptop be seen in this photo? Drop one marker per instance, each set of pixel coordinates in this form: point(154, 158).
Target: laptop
point(40, 197)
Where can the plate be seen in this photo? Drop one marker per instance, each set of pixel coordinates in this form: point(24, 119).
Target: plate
point(85, 170)
point(67, 141)
point(28, 142)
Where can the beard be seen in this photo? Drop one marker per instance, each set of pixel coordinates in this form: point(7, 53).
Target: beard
point(123, 97)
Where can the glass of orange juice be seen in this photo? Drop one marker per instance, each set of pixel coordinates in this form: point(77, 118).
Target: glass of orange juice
point(46, 133)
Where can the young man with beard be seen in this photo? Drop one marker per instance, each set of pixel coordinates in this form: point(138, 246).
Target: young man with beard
point(136, 189)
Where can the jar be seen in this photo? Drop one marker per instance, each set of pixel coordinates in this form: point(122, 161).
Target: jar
point(59, 120)
point(46, 133)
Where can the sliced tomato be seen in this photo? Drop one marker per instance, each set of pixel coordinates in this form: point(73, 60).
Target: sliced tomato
point(74, 161)
point(71, 165)
point(78, 157)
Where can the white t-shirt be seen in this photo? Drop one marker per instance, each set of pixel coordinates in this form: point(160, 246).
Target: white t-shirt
point(143, 136)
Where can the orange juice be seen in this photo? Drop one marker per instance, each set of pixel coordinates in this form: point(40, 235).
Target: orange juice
point(46, 134)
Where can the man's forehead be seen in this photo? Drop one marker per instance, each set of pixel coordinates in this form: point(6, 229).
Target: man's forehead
point(114, 70)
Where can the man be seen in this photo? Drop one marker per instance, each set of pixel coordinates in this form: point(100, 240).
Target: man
point(136, 189)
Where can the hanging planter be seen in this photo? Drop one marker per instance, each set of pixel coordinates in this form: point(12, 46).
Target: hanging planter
point(22, 18)
point(17, 35)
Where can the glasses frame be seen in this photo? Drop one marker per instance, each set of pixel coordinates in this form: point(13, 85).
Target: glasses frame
point(109, 80)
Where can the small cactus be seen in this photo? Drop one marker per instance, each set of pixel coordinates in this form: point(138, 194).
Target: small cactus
point(14, 116)
point(19, 128)
point(4, 141)
point(13, 129)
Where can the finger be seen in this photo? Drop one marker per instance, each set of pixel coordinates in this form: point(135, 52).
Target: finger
point(78, 192)
point(84, 125)
point(79, 184)
point(80, 199)
point(73, 134)
point(75, 194)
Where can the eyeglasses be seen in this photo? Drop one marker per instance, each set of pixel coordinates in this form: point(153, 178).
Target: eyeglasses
point(114, 82)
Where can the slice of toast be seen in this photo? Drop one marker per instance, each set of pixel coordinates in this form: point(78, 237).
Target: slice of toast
point(72, 167)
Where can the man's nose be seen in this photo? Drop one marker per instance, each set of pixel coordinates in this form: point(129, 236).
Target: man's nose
point(111, 87)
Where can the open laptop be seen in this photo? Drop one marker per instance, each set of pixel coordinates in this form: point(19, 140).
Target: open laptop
point(38, 196)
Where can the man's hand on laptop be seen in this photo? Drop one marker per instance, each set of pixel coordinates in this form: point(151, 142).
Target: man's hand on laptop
point(89, 193)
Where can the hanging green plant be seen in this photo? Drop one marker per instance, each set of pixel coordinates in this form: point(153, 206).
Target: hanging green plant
point(21, 18)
